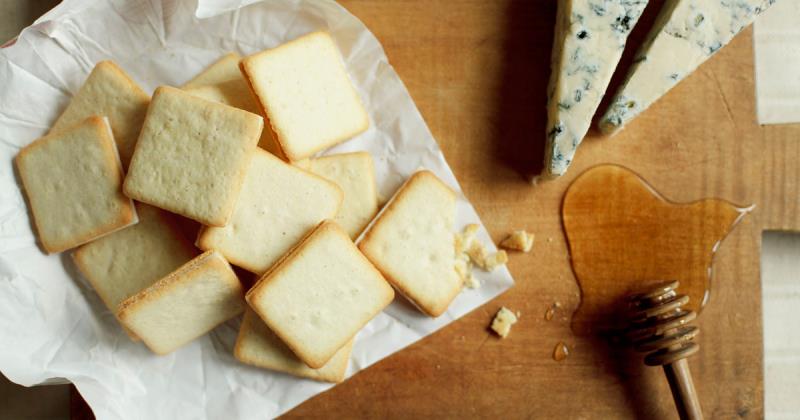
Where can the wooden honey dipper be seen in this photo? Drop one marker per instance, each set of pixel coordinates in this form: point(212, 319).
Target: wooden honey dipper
point(659, 327)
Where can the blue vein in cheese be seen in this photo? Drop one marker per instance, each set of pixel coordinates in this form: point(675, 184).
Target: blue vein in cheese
point(686, 33)
point(590, 36)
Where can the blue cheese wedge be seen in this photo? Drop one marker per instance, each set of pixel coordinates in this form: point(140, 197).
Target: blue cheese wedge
point(590, 36)
point(686, 34)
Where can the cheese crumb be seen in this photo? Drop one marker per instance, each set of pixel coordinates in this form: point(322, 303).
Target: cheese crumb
point(520, 240)
point(502, 322)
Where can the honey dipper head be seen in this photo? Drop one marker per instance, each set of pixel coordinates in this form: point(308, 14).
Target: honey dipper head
point(659, 325)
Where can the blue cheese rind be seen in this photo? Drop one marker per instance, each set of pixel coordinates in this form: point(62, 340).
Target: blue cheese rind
point(590, 36)
point(686, 34)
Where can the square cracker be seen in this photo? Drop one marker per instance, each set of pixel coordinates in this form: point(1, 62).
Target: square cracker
point(223, 70)
point(257, 345)
point(412, 243)
point(109, 92)
point(73, 181)
point(278, 205)
point(125, 262)
point(233, 93)
point(320, 294)
point(306, 95)
point(192, 156)
point(185, 304)
point(355, 174)
point(223, 82)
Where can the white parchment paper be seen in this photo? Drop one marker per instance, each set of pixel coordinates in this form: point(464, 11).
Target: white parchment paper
point(52, 325)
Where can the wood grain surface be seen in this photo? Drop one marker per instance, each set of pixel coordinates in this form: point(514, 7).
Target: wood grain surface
point(478, 72)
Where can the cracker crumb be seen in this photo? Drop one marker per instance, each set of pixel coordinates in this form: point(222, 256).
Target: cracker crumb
point(502, 322)
point(471, 282)
point(486, 262)
point(520, 240)
point(465, 239)
point(469, 252)
point(464, 269)
point(477, 253)
point(495, 260)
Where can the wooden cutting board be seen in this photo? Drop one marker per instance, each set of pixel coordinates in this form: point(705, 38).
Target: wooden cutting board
point(478, 72)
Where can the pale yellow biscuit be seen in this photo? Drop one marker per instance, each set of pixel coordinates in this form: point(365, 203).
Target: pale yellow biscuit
point(73, 181)
point(355, 174)
point(306, 94)
point(125, 262)
point(223, 70)
point(412, 243)
point(109, 92)
point(192, 156)
point(320, 294)
point(233, 93)
point(185, 304)
point(278, 205)
point(236, 93)
point(257, 345)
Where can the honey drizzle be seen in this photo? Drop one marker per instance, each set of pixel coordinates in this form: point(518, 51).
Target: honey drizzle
point(625, 237)
point(551, 311)
point(560, 352)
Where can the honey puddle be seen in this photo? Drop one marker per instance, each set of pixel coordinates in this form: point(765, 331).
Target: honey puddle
point(625, 237)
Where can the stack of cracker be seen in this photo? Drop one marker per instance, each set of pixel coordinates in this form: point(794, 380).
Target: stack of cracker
point(233, 149)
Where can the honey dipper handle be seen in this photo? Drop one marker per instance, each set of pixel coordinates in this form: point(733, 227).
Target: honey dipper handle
point(680, 382)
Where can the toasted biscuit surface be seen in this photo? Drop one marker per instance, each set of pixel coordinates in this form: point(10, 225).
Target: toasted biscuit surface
point(73, 181)
point(355, 174)
point(306, 95)
point(278, 205)
point(320, 294)
point(109, 92)
point(192, 156)
point(257, 345)
point(185, 304)
point(125, 262)
point(412, 243)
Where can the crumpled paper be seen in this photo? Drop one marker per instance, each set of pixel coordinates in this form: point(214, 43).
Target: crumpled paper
point(53, 325)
